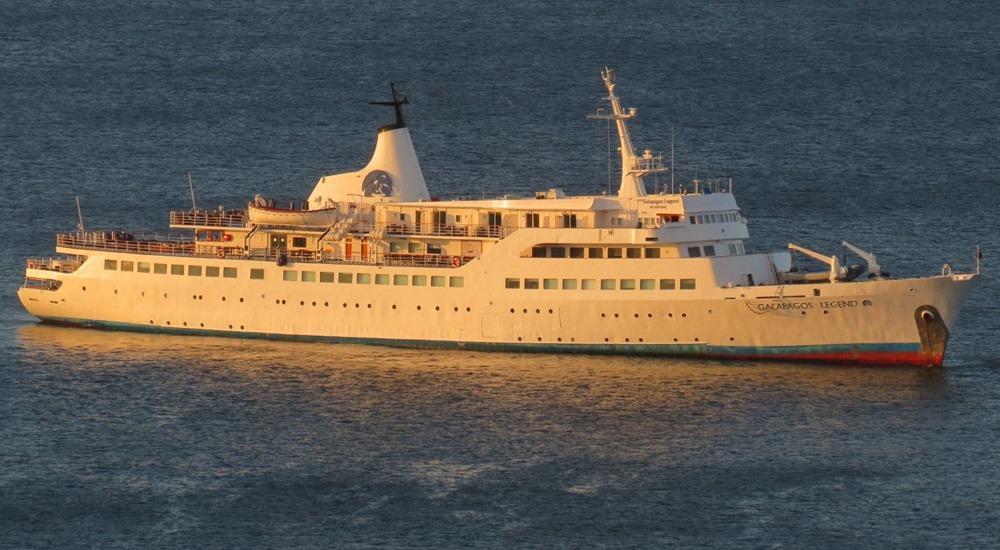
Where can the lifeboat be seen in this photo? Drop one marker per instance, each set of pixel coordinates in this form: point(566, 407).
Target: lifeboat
point(271, 215)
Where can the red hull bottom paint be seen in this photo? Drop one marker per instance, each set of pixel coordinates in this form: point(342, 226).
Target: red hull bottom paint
point(868, 358)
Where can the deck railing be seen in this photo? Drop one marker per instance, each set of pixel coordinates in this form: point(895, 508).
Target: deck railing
point(127, 242)
point(66, 264)
point(209, 218)
point(448, 230)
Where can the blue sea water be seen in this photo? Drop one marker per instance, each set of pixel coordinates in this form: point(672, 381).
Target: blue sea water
point(874, 122)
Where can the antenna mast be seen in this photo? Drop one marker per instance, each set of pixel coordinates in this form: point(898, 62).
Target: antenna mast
point(194, 207)
point(79, 216)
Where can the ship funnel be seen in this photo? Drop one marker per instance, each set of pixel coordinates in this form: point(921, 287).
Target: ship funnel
point(392, 174)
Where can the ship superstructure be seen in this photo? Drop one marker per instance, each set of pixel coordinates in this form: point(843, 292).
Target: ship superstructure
point(369, 257)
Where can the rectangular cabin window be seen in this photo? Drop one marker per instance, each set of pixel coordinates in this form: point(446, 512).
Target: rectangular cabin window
point(531, 284)
point(400, 280)
point(458, 219)
point(290, 275)
point(434, 248)
point(668, 284)
point(127, 265)
point(414, 248)
point(694, 252)
point(396, 247)
point(614, 252)
point(345, 278)
point(531, 220)
point(212, 271)
point(588, 284)
point(576, 252)
point(437, 280)
point(229, 272)
point(327, 277)
point(694, 220)
point(550, 284)
point(595, 252)
point(419, 280)
point(308, 276)
point(176, 269)
point(687, 284)
point(298, 242)
point(627, 284)
point(652, 252)
point(257, 274)
point(647, 284)
point(569, 220)
point(194, 271)
point(440, 218)
point(732, 249)
point(557, 252)
point(494, 218)
point(456, 282)
point(709, 250)
point(633, 252)
point(538, 252)
point(381, 279)
point(160, 269)
point(607, 284)
point(111, 265)
point(569, 284)
point(364, 278)
point(512, 283)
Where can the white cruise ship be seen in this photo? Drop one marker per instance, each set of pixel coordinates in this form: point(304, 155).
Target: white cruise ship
point(370, 257)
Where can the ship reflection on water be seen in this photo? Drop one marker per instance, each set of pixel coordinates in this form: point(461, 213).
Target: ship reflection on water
point(354, 440)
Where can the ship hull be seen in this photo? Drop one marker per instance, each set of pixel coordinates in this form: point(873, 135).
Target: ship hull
point(884, 322)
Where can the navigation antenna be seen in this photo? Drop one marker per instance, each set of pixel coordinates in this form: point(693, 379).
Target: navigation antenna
point(194, 207)
point(79, 216)
point(398, 100)
point(633, 168)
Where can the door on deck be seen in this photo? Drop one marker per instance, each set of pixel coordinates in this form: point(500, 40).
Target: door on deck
point(279, 243)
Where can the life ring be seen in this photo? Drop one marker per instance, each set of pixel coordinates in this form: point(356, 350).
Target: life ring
point(220, 252)
point(227, 236)
point(456, 261)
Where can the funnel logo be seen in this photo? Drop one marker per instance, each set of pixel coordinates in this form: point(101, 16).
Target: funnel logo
point(377, 183)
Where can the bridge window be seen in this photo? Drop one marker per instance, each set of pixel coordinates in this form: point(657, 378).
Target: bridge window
point(550, 284)
point(143, 267)
point(420, 280)
point(588, 284)
point(557, 252)
point(633, 252)
point(229, 272)
point(193, 270)
point(512, 283)
point(308, 276)
point(538, 252)
point(298, 242)
point(627, 284)
point(694, 252)
point(290, 276)
point(647, 284)
point(607, 284)
point(326, 277)
point(434, 248)
point(397, 247)
point(576, 252)
point(127, 265)
point(531, 284)
point(709, 250)
point(210, 271)
point(652, 252)
point(668, 284)
point(256, 273)
point(687, 284)
point(111, 265)
point(400, 280)
point(569, 284)
point(569, 220)
point(364, 278)
point(381, 279)
point(614, 252)
point(345, 278)
point(160, 269)
point(595, 252)
point(414, 248)
point(531, 220)
point(437, 280)
point(494, 218)
point(176, 269)
point(732, 249)
point(456, 282)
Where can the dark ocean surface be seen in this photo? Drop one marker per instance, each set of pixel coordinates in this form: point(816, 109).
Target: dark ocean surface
point(875, 122)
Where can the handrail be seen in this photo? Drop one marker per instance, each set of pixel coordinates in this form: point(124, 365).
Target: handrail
point(63, 264)
point(209, 218)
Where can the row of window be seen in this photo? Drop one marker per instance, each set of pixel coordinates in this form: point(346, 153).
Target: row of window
point(597, 252)
point(288, 274)
point(603, 284)
point(723, 217)
point(364, 278)
point(173, 269)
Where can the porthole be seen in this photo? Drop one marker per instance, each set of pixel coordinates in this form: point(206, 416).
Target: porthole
point(640, 339)
point(616, 315)
point(468, 310)
point(418, 308)
point(241, 327)
point(650, 315)
point(184, 323)
point(604, 315)
point(282, 302)
point(326, 304)
point(626, 339)
point(223, 298)
point(278, 302)
point(539, 338)
point(151, 322)
point(671, 315)
point(84, 289)
point(607, 340)
point(357, 305)
point(369, 306)
point(825, 312)
point(803, 313)
point(116, 291)
point(393, 306)
point(345, 305)
point(456, 309)
point(558, 339)
point(636, 315)
point(230, 326)
point(194, 297)
point(302, 302)
point(202, 325)
point(512, 310)
point(526, 310)
point(675, 339)
point(709, 312)
point(695, 339)
point(731, 339)
point(538, 311)
point(518, 338)
point(241, 301)
point(164, 294)
point(438, 308)
point(684, 314)
point(314, 304)
point(168, 323)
